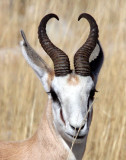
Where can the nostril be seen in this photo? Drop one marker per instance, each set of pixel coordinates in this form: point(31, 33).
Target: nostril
point(77, 128)
point(74, 128)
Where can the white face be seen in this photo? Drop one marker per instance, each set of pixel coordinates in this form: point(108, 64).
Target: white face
point(71, 97)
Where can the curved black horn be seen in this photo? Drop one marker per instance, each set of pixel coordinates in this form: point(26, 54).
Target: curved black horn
point(59, 58)
point(81, 58)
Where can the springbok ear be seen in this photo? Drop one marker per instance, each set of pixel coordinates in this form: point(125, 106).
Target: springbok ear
point(36, 62)
point(96, 60)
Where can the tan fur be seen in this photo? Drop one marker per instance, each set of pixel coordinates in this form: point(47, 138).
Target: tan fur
point(44, 145)
point(50, 77)
point(73, 79)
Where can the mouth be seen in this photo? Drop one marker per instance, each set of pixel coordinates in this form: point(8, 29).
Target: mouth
point(76, 137)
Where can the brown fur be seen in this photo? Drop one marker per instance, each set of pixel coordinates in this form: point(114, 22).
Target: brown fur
point(50, 77)
point(44, 145)
point(73, 79)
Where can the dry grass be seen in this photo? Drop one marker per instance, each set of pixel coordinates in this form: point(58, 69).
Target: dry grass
point(21, 96)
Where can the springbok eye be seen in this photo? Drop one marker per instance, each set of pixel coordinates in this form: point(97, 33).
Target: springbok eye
point(92, 93)
point(54, 96)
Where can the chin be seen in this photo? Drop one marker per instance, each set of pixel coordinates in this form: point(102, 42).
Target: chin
point(72, 139)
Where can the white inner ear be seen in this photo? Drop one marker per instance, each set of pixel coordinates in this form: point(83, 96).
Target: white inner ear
point(95, 53)
point(36, 68)
point(41, 73)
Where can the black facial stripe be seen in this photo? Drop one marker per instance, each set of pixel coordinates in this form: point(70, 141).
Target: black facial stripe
point(92, 94)
point(91, 97)
point(54, 96)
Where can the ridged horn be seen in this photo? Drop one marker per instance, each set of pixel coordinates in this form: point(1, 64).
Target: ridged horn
point(81, 57)
point(59, 58)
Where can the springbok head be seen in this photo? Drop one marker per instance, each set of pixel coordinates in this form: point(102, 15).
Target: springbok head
point(71, 91)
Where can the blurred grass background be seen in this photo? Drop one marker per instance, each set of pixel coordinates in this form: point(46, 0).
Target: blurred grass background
point(22, 97)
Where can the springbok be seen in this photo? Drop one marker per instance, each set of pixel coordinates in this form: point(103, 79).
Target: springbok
point(64, 127)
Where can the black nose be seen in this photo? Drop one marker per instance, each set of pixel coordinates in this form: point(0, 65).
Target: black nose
point(77, 128)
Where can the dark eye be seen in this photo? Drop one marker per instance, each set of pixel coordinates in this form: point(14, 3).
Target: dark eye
point(54, 96)
point(92, 93)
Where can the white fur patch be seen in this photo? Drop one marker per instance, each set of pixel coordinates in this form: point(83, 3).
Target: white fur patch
point(74, 101)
